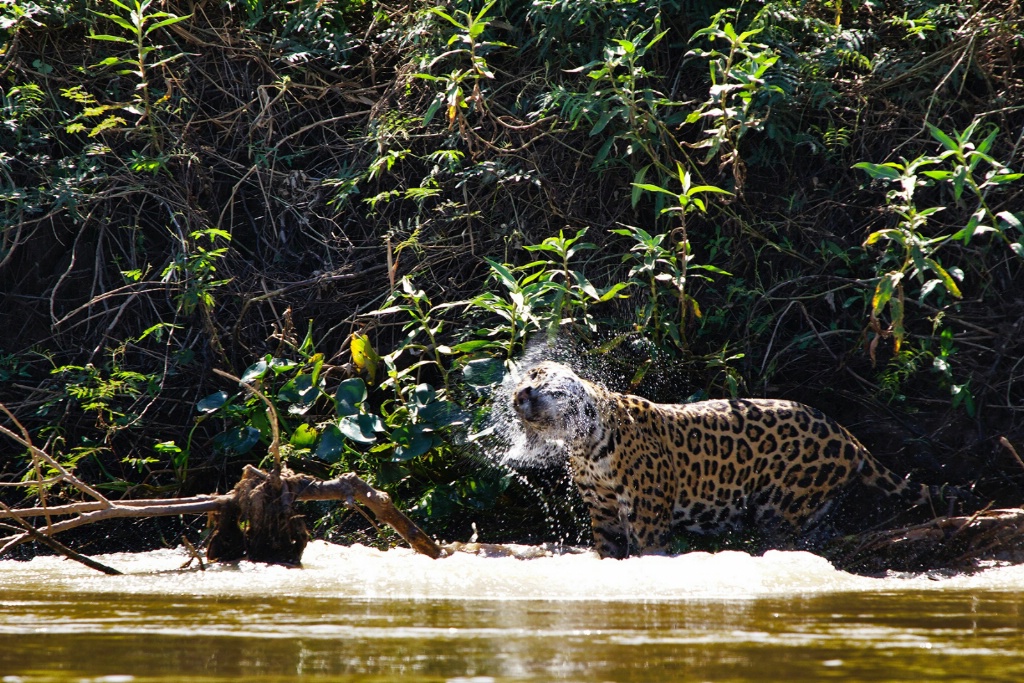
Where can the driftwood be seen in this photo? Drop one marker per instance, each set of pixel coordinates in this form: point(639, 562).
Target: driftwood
point(954, 543)
point(260, 500)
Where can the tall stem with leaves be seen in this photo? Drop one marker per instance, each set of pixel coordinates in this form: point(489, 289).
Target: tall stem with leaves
point(138, 22)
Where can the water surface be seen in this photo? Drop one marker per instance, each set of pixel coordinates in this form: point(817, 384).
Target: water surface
point(356, 614)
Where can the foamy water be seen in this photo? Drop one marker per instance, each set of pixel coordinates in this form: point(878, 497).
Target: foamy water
point(360, 572)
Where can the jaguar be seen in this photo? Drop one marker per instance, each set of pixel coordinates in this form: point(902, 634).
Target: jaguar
point(648, 470)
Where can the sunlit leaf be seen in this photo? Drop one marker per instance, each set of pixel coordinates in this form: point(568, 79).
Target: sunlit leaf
point(362, 428)
point(304, 436)
point(350, 396)
point(212, 402)
point(255, 371)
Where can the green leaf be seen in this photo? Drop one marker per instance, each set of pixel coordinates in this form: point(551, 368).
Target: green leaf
point(473, 345)
point(279, 365)
point(880, 171)
point(503, 273)
point(1018, 248)
point(884, 291)
point(1010, 219)
point(120, 21)
point(166, 22)
point(304, 436)
point(947, 280)
point(110, 39)
point(300, 391)
point(888, 234)
point(654, 188)
point(361, 428)
point(1000, 178)
point(350, 396)
point(638, 180)
point(212, 402)
point(483, 372)
point(603, 121)
point(442, 414)
point(947, 142)
point(240, 440)
point(332, 445)
point(255, 371)
point(411, 441)
point(422, 394)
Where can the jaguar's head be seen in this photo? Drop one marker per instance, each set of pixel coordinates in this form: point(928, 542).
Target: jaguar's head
point(554, 402)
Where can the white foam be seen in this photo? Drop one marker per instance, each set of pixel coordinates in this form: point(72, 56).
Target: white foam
point(361, 572)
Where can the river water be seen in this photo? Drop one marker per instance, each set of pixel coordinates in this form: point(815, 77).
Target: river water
point(357, 614)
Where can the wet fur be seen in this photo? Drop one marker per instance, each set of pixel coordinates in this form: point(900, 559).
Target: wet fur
point(646, 470)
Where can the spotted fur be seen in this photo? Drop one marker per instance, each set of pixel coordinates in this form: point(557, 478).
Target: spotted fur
point(648, 469)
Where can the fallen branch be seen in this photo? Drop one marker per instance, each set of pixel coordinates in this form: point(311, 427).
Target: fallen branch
point(956, 543)
point(348, 488)
point(59, 547)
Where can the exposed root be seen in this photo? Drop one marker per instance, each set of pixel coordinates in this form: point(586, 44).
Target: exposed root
point(259, 522)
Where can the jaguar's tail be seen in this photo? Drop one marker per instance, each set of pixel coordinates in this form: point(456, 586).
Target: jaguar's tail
point(944, 500)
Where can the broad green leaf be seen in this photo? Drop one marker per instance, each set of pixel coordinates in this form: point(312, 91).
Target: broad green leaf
point(442, 414)
point(1018, 248)
point(212, 402)
point(411, 441)
point(304, 436)
point(331, 446)
point(350, 396)
point(255, 371)
point(300, 391)
point(422, 394)
point(239, 440)
point(361, 428)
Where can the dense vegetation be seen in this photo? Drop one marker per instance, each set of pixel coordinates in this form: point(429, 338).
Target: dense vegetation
point(366, 209)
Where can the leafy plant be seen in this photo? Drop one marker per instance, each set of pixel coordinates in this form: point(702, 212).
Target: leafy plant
point(540, 296)
point(620, 103)
point(662, 262)
point(137, 21)
point(461, 86)
point(962, 165)
point(737, 97)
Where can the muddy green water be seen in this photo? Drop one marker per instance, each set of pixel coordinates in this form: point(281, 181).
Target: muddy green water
point(355, 614)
